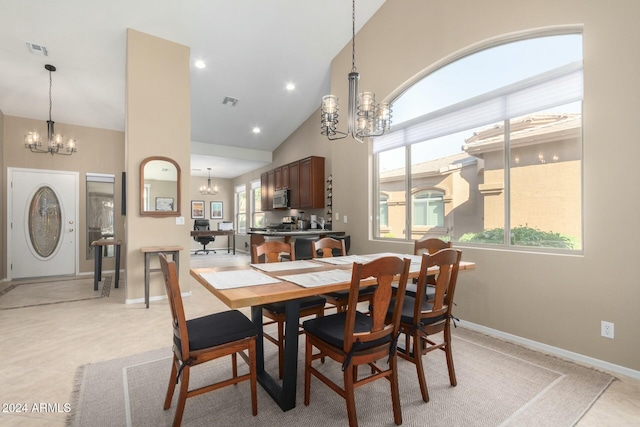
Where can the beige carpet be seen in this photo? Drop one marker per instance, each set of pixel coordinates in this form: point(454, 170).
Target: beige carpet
point(499, 384)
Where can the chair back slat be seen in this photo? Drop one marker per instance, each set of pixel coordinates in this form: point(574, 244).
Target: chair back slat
point(270, 251)
point(384, 270)
point(175, 302)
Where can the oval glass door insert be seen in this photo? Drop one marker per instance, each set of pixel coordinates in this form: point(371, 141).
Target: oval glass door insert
point(45, 221)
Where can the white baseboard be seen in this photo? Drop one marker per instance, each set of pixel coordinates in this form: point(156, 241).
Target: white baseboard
point(565, 354)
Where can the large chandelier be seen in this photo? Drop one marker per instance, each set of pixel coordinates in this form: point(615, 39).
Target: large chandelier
point(55, 142)
point(365, 117)
point(207, 189)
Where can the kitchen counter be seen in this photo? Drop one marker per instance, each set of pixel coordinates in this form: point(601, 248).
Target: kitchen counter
point(257, 236)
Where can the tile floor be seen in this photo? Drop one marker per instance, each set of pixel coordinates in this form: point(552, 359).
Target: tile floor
point(43, 344)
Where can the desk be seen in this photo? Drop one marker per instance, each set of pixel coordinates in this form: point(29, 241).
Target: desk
point(231, 236)
point(155, 250)
point(97, 261)
point(256, 296)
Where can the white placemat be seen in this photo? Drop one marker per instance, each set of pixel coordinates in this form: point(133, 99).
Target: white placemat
point(286, 265)
point(319, 278)
point(237, 279)
point(344, 260)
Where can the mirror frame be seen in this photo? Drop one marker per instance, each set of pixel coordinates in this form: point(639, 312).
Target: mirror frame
point(159, 214)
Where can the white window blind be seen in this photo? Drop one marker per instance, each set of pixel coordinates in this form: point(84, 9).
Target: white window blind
point(560, 86)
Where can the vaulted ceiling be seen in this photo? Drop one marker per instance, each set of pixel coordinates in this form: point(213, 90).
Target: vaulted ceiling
point(252, 49)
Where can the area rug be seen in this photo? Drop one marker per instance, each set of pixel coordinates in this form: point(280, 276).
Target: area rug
point(499, 384)
point(23, 294)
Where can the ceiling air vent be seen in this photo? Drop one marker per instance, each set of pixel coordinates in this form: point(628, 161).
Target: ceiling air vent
point(230, 101)
point(37, 49)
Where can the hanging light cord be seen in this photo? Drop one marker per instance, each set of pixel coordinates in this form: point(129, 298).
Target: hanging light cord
point(50, 101)
point(353, 37)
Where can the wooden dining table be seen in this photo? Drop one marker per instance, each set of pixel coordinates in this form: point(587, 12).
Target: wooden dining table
point(254, 296)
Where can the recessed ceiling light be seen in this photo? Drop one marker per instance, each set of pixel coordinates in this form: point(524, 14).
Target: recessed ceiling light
point(291, 86)
point(200, 64)
point(256, 129)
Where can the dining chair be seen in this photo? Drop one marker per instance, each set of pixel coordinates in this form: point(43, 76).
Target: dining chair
point(353, 338)
point(203, 339)
point(325, 248)
point(270, 251)
point(422, 319)
point(429, 245)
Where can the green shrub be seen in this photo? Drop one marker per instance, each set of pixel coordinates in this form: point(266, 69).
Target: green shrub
point(521, 236)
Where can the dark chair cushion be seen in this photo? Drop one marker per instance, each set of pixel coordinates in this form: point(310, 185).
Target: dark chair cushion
point(412, 289)
point(331, 329)
point(307, 302)
point(218, 328)
point(206, 240)
point(345, 294)
point(407, 311)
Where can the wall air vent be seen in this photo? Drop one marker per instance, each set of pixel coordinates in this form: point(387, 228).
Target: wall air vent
point(230, 101)
point(37, 49)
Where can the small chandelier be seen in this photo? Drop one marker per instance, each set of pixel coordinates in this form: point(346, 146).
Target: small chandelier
point(207, 189)
point(55, 143)
point(365, 117)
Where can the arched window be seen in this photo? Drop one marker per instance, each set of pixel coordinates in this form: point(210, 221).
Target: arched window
point(500, 131)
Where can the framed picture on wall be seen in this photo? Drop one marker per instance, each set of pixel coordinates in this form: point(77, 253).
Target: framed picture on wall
point(216, 210)
point(197, 209)
point(164, 204)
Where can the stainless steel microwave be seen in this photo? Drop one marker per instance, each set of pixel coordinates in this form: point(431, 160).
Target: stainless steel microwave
point(280, 199)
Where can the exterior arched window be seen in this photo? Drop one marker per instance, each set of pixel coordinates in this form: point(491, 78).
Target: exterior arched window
point(499, 131)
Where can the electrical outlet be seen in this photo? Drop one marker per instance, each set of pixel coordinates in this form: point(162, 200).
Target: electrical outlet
point(606, 329)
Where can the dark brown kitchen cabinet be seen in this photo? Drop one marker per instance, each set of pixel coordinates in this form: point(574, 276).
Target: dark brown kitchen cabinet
point(267, 186)
point(304, 179)
point(282, 177)
point(311, 182)
point(294, 185)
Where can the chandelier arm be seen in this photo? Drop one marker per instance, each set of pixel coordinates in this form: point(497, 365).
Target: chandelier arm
point(334, 138)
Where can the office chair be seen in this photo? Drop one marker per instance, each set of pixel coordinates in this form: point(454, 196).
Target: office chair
point(203, 225)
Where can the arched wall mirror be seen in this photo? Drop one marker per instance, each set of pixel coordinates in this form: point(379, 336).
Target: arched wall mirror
point(159, 187)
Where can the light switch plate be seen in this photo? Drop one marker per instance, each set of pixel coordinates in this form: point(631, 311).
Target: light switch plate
point(180, 220)
point(344, 218)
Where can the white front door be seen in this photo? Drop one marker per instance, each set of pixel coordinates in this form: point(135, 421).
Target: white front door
point(42, 223)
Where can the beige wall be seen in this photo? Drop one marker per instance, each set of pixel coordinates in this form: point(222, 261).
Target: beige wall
point(303, 142)
point(157, 124)
point(225, 195)
point(555, 300)
point(99, 151)
point(3, 201)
